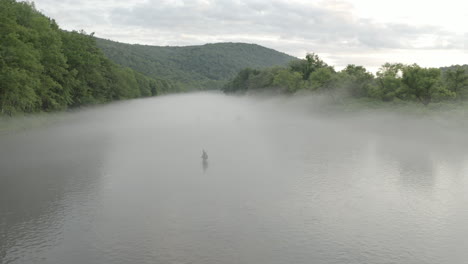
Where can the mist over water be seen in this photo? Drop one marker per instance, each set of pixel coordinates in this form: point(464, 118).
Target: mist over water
point(285, 182)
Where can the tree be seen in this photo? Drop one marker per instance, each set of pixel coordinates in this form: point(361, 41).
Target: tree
point(43, 68)
point(322, 79)
point(263, 79)
point(241, 81)
point(388, 82)
point(17, 91)
point(291, 81)
point(422, 83)
point(306, 67)
point(456, 80)
point(357, 80)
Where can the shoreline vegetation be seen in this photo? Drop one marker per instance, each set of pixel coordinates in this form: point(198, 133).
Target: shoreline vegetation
point(442, 112)
point(44, 69)
point(395, 84)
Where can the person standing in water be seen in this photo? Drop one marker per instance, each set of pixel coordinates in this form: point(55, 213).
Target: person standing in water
point(204, 155)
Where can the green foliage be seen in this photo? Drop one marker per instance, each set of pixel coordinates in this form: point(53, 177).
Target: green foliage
point(357, 79)
point(17, 91)
point(393, 82)
point(322, 79)
point(291, 81)
point(193, 67)
point(306, 67)
point(388, 82)
point(456, 80)
point(263, 79)
point(43, 68)
point(241, 81)
point(421, 84)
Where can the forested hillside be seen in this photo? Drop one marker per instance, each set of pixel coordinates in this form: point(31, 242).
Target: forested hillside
point(393, 82)
point(43, 68)
point(194, 67)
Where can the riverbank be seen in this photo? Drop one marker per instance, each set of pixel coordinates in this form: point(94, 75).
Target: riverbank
point(448, 114)
point(337, 102)
point(20, 122)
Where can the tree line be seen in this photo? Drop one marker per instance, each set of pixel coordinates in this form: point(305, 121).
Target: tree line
point(201, 67)
point(393, 81)
point(44, 68)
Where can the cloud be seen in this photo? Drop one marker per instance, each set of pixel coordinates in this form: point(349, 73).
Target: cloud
point(330, 25)
point(330, 28)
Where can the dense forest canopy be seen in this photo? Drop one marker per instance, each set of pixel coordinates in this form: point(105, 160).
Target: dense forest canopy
point(202, 67)
point(43, 68)
point(393, 81)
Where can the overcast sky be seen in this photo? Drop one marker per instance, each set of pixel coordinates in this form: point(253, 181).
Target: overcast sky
point(364, 32)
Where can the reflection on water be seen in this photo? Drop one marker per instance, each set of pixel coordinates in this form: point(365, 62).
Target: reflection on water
point(205, 165)
point(40, 172)
point(413, 160)
point(121, 184)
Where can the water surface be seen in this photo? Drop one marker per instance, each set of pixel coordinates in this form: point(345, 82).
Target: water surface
point(284, 183)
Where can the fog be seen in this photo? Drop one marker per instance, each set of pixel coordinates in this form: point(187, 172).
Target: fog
point(287, 180)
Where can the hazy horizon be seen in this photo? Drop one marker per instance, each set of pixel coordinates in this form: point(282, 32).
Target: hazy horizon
point(341, 32)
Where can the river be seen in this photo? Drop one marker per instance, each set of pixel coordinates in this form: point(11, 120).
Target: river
point(285, 182)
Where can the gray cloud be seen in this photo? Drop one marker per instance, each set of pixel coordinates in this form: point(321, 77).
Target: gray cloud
point(276, 19)
point(328, 28)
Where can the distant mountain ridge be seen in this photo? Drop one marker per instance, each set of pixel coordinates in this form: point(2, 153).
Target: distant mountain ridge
point(199, 67)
